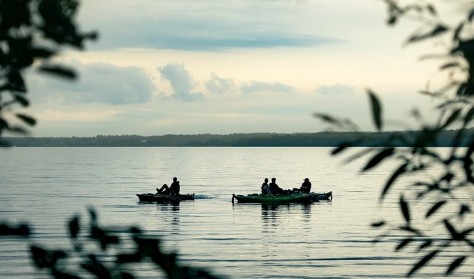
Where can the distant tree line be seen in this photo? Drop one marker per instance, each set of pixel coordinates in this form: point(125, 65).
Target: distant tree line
point(322, 139)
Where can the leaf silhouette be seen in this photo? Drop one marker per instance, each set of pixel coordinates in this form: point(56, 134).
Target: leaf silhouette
point(425, 244)
point(376, 109)
point(58, 71)
point(436, 31)
point(454, 234)
point(464, 209)
point(404, 207)
point(470, 17)
point(341, 148)
point(74, 227)
point(379, 158)
point(455, 264)
point(27, 119)
point(378, 224)
point(422, 262)
point(401, 170)
point(435, 208)
point(453, 117)
point(328, 118)
point(469, 116)
point(468, 162)
point(457, 31)
point(403, 243)
point(449, 65)
point(22, 100)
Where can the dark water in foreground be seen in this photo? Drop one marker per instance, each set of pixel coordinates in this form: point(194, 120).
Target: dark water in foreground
point(46, 186)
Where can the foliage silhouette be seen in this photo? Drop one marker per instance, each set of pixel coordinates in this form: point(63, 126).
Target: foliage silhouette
point(102, 252)
point(32, 31)
point(444, 181)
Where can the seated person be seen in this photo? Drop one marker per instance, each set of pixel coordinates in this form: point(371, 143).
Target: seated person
point(172, 190)
point(306, 186)
point(274, 188)
point(175, 188)
point(266, 188)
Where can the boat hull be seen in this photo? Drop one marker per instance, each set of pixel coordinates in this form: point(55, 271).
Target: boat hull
point(255, 198)
point(149, 197)
point(291, 198)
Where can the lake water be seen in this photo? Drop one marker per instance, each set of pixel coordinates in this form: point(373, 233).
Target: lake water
point(46, 186)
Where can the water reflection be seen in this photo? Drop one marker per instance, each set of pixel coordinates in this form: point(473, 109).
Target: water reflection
point(271, 213)
point(170, 213)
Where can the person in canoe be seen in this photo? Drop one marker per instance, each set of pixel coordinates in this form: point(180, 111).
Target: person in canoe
point(306, 186)
point(274, 188)
point(171, 190)
point(266, 187)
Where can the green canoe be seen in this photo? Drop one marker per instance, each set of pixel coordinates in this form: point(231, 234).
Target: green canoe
point(258, 198)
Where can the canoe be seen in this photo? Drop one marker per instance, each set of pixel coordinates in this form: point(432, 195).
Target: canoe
point(291, 198)
point(149, 197)
point(258, 198)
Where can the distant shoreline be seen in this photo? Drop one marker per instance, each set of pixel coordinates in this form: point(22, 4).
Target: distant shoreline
point(318, 139)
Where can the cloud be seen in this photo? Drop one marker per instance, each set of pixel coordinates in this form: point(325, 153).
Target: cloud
point(203, 36)
point(75, 116)
point(98, 83)
point(181, 82)
point(218, 85)
point(256, 86)
point(199, 26)
point(336, 89)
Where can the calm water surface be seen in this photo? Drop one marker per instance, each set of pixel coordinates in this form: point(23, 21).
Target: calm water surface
point(46, 186)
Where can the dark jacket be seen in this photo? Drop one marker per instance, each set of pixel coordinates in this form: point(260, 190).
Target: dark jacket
point(275, 189)
point(175, 188)
point(306, 187)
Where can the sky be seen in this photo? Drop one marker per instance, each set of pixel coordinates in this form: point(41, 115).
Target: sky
point(231, 66)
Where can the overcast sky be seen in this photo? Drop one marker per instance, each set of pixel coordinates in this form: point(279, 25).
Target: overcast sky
point(230, 66)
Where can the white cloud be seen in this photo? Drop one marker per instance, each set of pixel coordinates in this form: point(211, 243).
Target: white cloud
point(272, 87)
point(181, 82)
point(97, 83)
point(218, 85)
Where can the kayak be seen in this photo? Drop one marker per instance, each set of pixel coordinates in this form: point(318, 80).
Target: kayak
point(290, 198)
point(149, 197)
point(259, 198)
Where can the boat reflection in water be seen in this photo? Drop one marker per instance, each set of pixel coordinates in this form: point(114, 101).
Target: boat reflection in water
point(169, 211)
point(273, 214)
